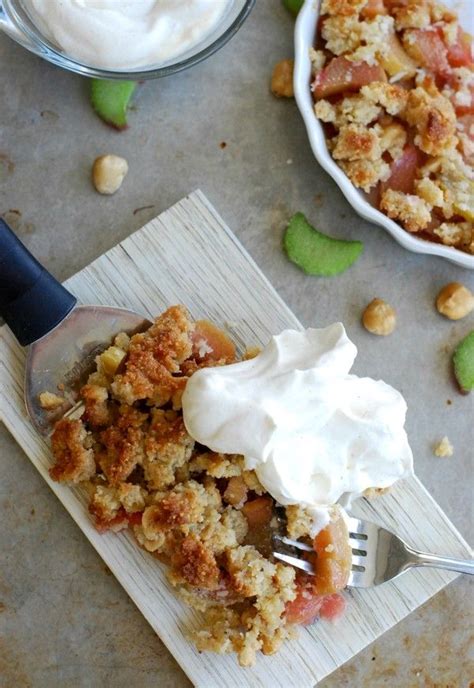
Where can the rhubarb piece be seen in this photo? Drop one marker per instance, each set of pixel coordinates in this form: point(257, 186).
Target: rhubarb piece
point(333, 607)
point(427, 48)
point(258, 512)
point(459, 53)
point(334, 560)
point(343, 75)
point(210, 343)
point(304, 609)
point(293, 6)
point(463, 360)
point(403, 171)
point(110, 100)
point(317, 595)
point(315, 252)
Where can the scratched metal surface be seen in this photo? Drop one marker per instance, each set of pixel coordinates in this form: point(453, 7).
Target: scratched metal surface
point(48, 139)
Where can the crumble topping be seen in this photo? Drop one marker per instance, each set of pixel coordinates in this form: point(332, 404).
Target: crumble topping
point(414, 15)
point(50, 401)
point(366, 174)
point(356, 142)
point(74, 458)
point(198, 511)
point(434, 119)
point(399, 121)
point(391, 97)
point(412, 211)
point(318, 59)
point(344, 8)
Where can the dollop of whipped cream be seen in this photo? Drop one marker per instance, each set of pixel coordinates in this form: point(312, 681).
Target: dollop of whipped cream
point(125, 34)
point(314, 434)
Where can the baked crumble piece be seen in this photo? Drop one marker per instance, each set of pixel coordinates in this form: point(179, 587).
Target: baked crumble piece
point(444, 448)
point(394, 86)
point(71, 446)
point(50, 401)
point(197, 511)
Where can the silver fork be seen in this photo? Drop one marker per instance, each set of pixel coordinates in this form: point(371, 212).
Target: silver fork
point(377, 555)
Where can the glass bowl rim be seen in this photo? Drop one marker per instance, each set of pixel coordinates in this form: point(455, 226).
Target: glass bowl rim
point(44, 49)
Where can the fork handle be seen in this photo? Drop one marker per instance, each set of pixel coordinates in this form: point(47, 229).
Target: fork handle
point(437, 562)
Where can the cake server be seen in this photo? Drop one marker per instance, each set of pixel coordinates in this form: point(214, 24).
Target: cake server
point(63, 337)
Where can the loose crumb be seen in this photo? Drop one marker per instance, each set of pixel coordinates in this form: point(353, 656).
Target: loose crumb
point(444, 448)
point(50, 401)
point(282, 79)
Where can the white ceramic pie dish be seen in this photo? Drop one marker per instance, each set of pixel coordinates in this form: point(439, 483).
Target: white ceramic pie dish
point(305, 31)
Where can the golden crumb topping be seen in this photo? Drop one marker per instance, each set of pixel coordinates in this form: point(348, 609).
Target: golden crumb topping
point(434, 119)
point(74, 459)
point(399, 119)
point(200, 512)
point(412, 211)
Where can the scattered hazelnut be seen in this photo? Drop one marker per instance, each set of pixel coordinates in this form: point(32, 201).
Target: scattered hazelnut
point(108, 173)
point(282, 79)
point(379, 317)
point(455, 301)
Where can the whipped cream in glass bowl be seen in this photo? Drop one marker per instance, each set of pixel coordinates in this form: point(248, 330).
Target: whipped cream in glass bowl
point(314, 434)
point(123, 39)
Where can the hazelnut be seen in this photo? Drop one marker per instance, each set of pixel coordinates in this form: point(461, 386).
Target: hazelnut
point(454, 301)
point(379, 317)
point(282, 79)
point(108, 173)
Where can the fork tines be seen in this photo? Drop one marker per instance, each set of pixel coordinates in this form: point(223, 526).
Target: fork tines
point(290, 551)
point(286, 550)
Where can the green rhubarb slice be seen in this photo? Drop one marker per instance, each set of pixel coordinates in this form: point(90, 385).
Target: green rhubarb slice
point(463, 360)
point(315, 252)
point(293, 6)
point(110, 100)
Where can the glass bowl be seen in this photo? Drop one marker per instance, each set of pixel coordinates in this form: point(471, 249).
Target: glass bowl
point(16, 23)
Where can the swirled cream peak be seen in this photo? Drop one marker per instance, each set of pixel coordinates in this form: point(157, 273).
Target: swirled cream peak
point(125, 34)
point(313, 433)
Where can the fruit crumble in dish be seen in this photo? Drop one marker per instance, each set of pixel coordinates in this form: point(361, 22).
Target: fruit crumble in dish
point(394, 87)
point(203, 513)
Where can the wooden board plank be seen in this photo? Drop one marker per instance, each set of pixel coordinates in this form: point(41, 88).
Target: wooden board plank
point(188, 255)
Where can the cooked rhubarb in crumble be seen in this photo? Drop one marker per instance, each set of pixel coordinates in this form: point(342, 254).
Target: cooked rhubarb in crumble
point(200, 512)
point(394, 85)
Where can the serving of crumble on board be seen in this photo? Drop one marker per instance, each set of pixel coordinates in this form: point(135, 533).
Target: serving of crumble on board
point(223, 285)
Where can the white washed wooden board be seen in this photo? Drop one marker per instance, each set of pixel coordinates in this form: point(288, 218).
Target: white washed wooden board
point(187, 255)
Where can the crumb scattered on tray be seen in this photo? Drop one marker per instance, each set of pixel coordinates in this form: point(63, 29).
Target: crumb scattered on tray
point(282, 79)
point(444, 448)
